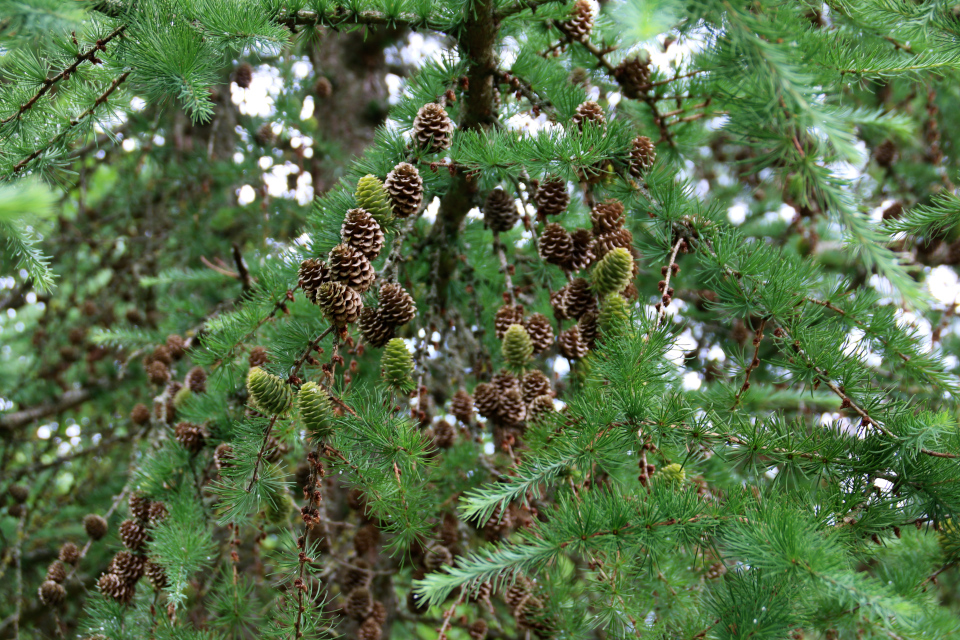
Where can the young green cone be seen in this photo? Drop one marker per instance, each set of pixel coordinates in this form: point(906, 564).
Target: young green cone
point(268, 393)
point(397, 366)
point(673, 474)
point(517, 347)
point(614, 315)
point(372, 196)
point(613, 272)
point(315, 410)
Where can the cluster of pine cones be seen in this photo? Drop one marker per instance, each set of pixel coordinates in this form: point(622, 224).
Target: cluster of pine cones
point(52, 592)
point(119, 581)
point(528, 609)
point(157, 365)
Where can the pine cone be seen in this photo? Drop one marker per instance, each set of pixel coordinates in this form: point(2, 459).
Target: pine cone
point(56, 571)
point(580, 23)
point(323, 88)
point(95, 526)
point(69, 553)
point(362, 232)
point(196, 380)
point(316, 410)
point(517, 592)
point(158, 513)
point(607, 216)
point(499, 523)
point(461, 406)
point(539, 408)
point(139, 506)
point(379, 613)
point(177, 346)
point(504, 381)
point(162, 354)
point(258, 357)
point(517, 348)
point(376, 332)
point(350, 267)
point(405, 187)
point(190, 436)
point(507, 315)
point(51, 593)
point(633, 76)
point(478, 630)
point(444, 435)
point(582, 250)
point(132, 534)
point(571, 345)
point(551, 197)
point(370, 629)
point(223, 456)
point(591, 112)
point(535, 383)
point(512, 408)
point(340, 303)
point(482, 592)
point(486, 399)
point(127, 566)
point(158, 373)
point(366, 539)
point(885, 153)
point(589, 328)
point(156, 575)
point(578, 298)
point(614, 315)
point(432, 128)
point(268, 394)
point(356, 575)
point(529, 615)
point(372, 196)
point(540, 331)
point(500, 211)
point(556, 245)
point(610, 240)
point(396, 306)
point(313, 273)
point(642, 155)
point(438, 556)
point(613, 272)
point(893, 212)
point(358, 603)
point(112, 586)
point(140, 414)
point(558, 302)
point(397, 366)
point(243, 75)
point(672, 474)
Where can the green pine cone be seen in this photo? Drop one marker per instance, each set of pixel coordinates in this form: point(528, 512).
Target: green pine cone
point(268, 394)
point(181, 397)
point(316, 410)
point(613, 272)
point(517, 348)
point(373, 196)
point(673, 474)
point(397, 366)
point(614, 315)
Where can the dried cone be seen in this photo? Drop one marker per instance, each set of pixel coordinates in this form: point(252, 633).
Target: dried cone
point(578, 298)
point(313, 274)
point(478, 630)
point(571, 345)
point(540, 331)
point(507, 315)
point(505, 381)
point(517, 348)
point(340, 303)
point(158, 513)
point(589, 328)
point(461, 406)
point(51, 593)
point(582, 250)
point(539, 408)
point(558, 302)
point(580, 23)
point(444, 435)
point(610, 240)
point(633, 76)
point(885, 153)
point(358, 604)
point(258, 357)
point(397, 366)
point(376, 331)
point(158, 373)
point(591, 112)
point(95, 526)
point(139, 506)
point(512, 408)
point(112, 586)
point(350, 267)
point(156, 575)
point(432, 128)
point(223, 456)
point(396, 305)
point(127, 566)
point(69, 553)
point(56, 571)
point(140, 414)
point(486, 399)
point(405, 187)
point(437, 557)
point(607, 216)
point(356, 575)
point(372, 196)
point(366, 539)
point(268, 393)
point(535, 383)
point(243, 75)
point(500, 211)
point(556, 245)
point(196, 380)
point(370, 630)
point(613, 272)
point(133, 535)
point(551, 197)
point(379, 613)
point(517, 592)
point(642, 155)
point(190, 436)
point(362, 232)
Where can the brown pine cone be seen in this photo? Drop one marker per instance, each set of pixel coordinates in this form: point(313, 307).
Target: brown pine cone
point(376, 332)
point(366, 539)
point(396, 305)
point(893, 212)
point(580, 23)
point(444, 435)
point(223, 456)
point(190, 436)
point(177, 346)
point(356, 575)
point(162, 354)
point(607, 216)
point(607, 242)
point(358, 603)
point(558, 302)
point(589, 328)
point(196, 380)
point(437, 556)
point(504, 381)
point(69, 553)
point(449, 530)
point(642, 155)
point(540, 331)
point(486, 399)
point(95, 526)
point(323, 88)
point(540, 406)
point(517, 592)
point(340, 303)
point(370, 629)
point(132, 534)
point(461, 406)
point(581, 253)
point(56, 571)
point(362, 232)
point(482, 592)
point(633, 76)
point(885, 153)
point(379, 613)
point(571, 345)
point(158, 512)
point(405, 187)
point(556, 245)
point(529, 614)
point(156, 575)
point(139, 506)
point(127, 566)
point(51, 593)
point(507, 315)
point(535, 383)
point(432, 128)
point(578, 298)
point(350, 267)
point(258, 355)
point(591, 112)
point(158, 373)
point(140, 414)
point(513, 410)
point(112, 586)
point(313, 273)
point(500, 211)
point(497, 525)
point(551, 197)
point(243, 75)
point(478, 630)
